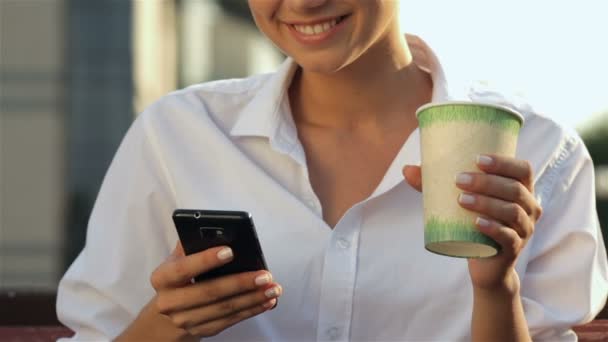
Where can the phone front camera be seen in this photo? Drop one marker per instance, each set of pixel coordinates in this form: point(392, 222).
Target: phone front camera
point(197, 215)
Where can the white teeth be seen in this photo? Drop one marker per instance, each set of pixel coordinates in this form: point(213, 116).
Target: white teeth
point(317, 28)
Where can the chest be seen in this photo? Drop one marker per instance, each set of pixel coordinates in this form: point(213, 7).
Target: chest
point(346, 169)
point(367, 280)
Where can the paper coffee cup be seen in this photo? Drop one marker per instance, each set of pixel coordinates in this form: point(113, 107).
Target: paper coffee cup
point(452, 135)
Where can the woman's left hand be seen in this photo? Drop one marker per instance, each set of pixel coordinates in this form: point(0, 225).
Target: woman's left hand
point(503, 197)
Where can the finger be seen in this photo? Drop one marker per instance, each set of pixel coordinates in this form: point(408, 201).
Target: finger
point(215, 327)
point(211, 291)
point(178, 251)
point(511, 214)
point(500, 187)
point(508, 239)
point(204, 314)
point(179, 271)
point(507, 167)
point(413, 176)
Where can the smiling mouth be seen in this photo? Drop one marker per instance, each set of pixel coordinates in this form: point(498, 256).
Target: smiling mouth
point(318, 28)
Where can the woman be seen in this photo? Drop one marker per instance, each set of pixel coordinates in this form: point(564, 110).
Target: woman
point(315, 152)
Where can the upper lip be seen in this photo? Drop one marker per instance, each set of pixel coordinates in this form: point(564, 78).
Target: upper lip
point(313, 22)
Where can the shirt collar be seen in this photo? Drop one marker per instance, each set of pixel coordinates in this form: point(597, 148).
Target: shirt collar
point(427, 60)
point(262, 115)
point(269, 109)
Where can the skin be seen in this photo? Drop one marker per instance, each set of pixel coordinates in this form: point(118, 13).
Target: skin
point(353, 101)
point(364, 77)
point(503, 195)
point(182, 311)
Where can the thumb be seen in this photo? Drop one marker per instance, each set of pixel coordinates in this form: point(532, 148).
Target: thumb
point(178, 251)
point(413, 176)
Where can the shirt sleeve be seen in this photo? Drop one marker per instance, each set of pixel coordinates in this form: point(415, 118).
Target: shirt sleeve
point(129, 234)
point(565, 281)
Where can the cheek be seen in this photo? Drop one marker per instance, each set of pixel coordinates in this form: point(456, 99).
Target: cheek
point(264, 15)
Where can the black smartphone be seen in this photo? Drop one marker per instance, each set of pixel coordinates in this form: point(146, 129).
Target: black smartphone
point(199, 230)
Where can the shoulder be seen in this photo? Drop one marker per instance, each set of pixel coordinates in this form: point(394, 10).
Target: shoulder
point(216, 102)
point(539, 129)
point(553, 150)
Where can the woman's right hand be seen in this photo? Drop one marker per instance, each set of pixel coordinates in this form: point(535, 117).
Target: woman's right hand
point(206, 308)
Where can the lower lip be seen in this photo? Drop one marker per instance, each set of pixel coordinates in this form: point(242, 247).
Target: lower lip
point(320, 38)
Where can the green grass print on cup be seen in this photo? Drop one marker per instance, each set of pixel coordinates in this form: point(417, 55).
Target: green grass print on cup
point(452, 135)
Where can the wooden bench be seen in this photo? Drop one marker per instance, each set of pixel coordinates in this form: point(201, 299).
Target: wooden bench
point(596, 331)
point(31, 317)
point(33, 333)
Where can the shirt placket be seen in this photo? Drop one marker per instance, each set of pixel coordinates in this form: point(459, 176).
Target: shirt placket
point(286, 142)
point(340, 260)
point(338, 279)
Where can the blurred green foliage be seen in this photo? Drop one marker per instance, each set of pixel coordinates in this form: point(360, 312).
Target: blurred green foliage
point(596, 140)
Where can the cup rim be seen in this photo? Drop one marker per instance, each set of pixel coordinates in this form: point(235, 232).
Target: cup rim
point(509, 110)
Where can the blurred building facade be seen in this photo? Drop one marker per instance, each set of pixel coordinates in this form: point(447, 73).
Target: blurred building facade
point(99, 105)
point(33, 153)
point(71, 85)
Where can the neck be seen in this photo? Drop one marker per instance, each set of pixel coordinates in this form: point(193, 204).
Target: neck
point(380, 85)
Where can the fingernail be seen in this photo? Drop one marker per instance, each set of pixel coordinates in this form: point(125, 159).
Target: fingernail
point(482, 222)
point(484, 160)
point(464, 178)
point(225, 253)
point(269, 303)
point(272, 292)
point(466, 199)
point(263, 279)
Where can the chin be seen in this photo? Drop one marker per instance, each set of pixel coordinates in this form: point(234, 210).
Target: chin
point(321, 64)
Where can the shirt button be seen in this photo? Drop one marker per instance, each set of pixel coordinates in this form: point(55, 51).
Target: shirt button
point(333, 333)
point(343, 243)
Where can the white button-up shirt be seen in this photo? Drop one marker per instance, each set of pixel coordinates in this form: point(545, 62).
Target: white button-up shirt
point(233, 145)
